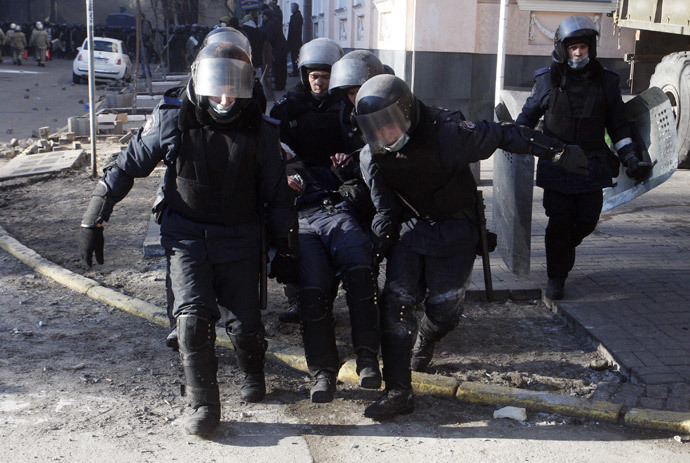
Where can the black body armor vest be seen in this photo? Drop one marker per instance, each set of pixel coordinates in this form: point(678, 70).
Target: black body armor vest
point(577, 115)
point(213, 178)
point(419, 179)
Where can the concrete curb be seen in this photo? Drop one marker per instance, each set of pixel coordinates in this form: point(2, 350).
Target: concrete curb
point(425, 384)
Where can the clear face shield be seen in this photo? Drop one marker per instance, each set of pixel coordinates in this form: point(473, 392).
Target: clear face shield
point(217, 77)
point(386, 128)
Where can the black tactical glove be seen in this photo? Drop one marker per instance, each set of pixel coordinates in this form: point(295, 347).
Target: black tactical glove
point(572, 159)
point(91, 240)
point(284, 269)
point(382, 245)
point(639, 170)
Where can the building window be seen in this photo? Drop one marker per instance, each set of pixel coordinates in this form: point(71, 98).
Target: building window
point(316, 30)
point(385, 26)
point(343, 29)
point(360, 27)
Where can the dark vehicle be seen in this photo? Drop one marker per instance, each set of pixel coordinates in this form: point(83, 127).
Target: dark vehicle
point(121, 20)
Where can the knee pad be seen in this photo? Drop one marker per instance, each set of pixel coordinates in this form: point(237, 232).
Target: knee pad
point(313, 305)
point(360, 283)
point(252, 342)
point(195, 333)
point(434, 331)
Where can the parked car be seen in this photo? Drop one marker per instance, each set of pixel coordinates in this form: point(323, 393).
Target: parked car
point(112, 61)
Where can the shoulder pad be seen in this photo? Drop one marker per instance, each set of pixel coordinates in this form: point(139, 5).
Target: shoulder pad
point(612, 72)
point(270, 120)
point(541, 72)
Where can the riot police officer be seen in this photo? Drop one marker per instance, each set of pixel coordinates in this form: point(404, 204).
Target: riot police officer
point(579, 100)
point(416, 164)
point(18, 45)
point(332, 242)
point(39, 41)
point(223, 164)
point(347, 76)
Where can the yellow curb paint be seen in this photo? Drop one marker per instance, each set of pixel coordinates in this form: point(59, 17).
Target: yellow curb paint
point(43, 266)
point(130, 304)
point(655, 419)
point(538, 401)
point(436, 385)
point(348, 373)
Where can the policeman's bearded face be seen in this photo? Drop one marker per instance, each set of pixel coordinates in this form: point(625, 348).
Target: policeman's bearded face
point(319, 80)
point(352, 94)
point(577, 51)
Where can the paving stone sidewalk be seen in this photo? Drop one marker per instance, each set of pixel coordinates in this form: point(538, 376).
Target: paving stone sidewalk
point(629, 292)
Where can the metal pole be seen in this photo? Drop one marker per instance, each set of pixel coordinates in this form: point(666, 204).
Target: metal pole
point(92, 87)
point(501, 52)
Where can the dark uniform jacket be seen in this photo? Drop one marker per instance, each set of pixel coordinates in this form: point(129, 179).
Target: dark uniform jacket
point(578, 107)
point(217, 180)
point(294, 37)
point(425, 193)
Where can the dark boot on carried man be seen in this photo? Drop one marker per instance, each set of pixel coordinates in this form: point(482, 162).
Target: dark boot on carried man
point(196, 339)
point(368, 369)
point(323, 388)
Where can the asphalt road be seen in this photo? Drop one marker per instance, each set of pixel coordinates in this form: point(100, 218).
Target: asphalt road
point(34, 97)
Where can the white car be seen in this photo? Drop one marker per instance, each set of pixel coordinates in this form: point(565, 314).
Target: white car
point(112, 61)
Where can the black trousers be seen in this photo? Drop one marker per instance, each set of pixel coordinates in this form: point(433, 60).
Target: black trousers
point(572, 217)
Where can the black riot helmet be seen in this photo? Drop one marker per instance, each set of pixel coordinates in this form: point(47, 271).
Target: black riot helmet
point(575, 29)
point(228, 34)
point(221, 69)
point(386, 110)
point(353, 69)
point(318, 54)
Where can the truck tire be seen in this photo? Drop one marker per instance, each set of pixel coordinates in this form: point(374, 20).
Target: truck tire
point(672, 76)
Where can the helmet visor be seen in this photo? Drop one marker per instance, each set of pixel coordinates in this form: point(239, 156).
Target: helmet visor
point(385, 126)
point(223, 77)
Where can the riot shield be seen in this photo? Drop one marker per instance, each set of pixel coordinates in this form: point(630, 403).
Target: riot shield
point(654, 132)
point(513, 184)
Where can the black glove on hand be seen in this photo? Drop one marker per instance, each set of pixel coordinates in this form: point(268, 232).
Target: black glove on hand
point(91, 240)
point(639, 170)
point(284, 269)
point(573, 159)
point(381, 246)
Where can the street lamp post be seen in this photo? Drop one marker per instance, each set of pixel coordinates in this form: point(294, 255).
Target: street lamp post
point(92, 86)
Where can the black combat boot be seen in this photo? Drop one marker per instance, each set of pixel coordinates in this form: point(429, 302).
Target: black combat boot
point(368, 369)
point(291, 315)
point(250, 350)
point(392, 403)
point(171, 340)
point(555, 288)
point(196, 343)
point(422, 353)
point(323, 389)
point(428, 335)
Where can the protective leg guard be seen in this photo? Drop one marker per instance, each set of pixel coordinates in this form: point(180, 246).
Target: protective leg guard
point(318, 331)
point(397, 333)
point(555, 289)
point(250, 350)
point(361, 289)
point(196, 343)
point(429, 333)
